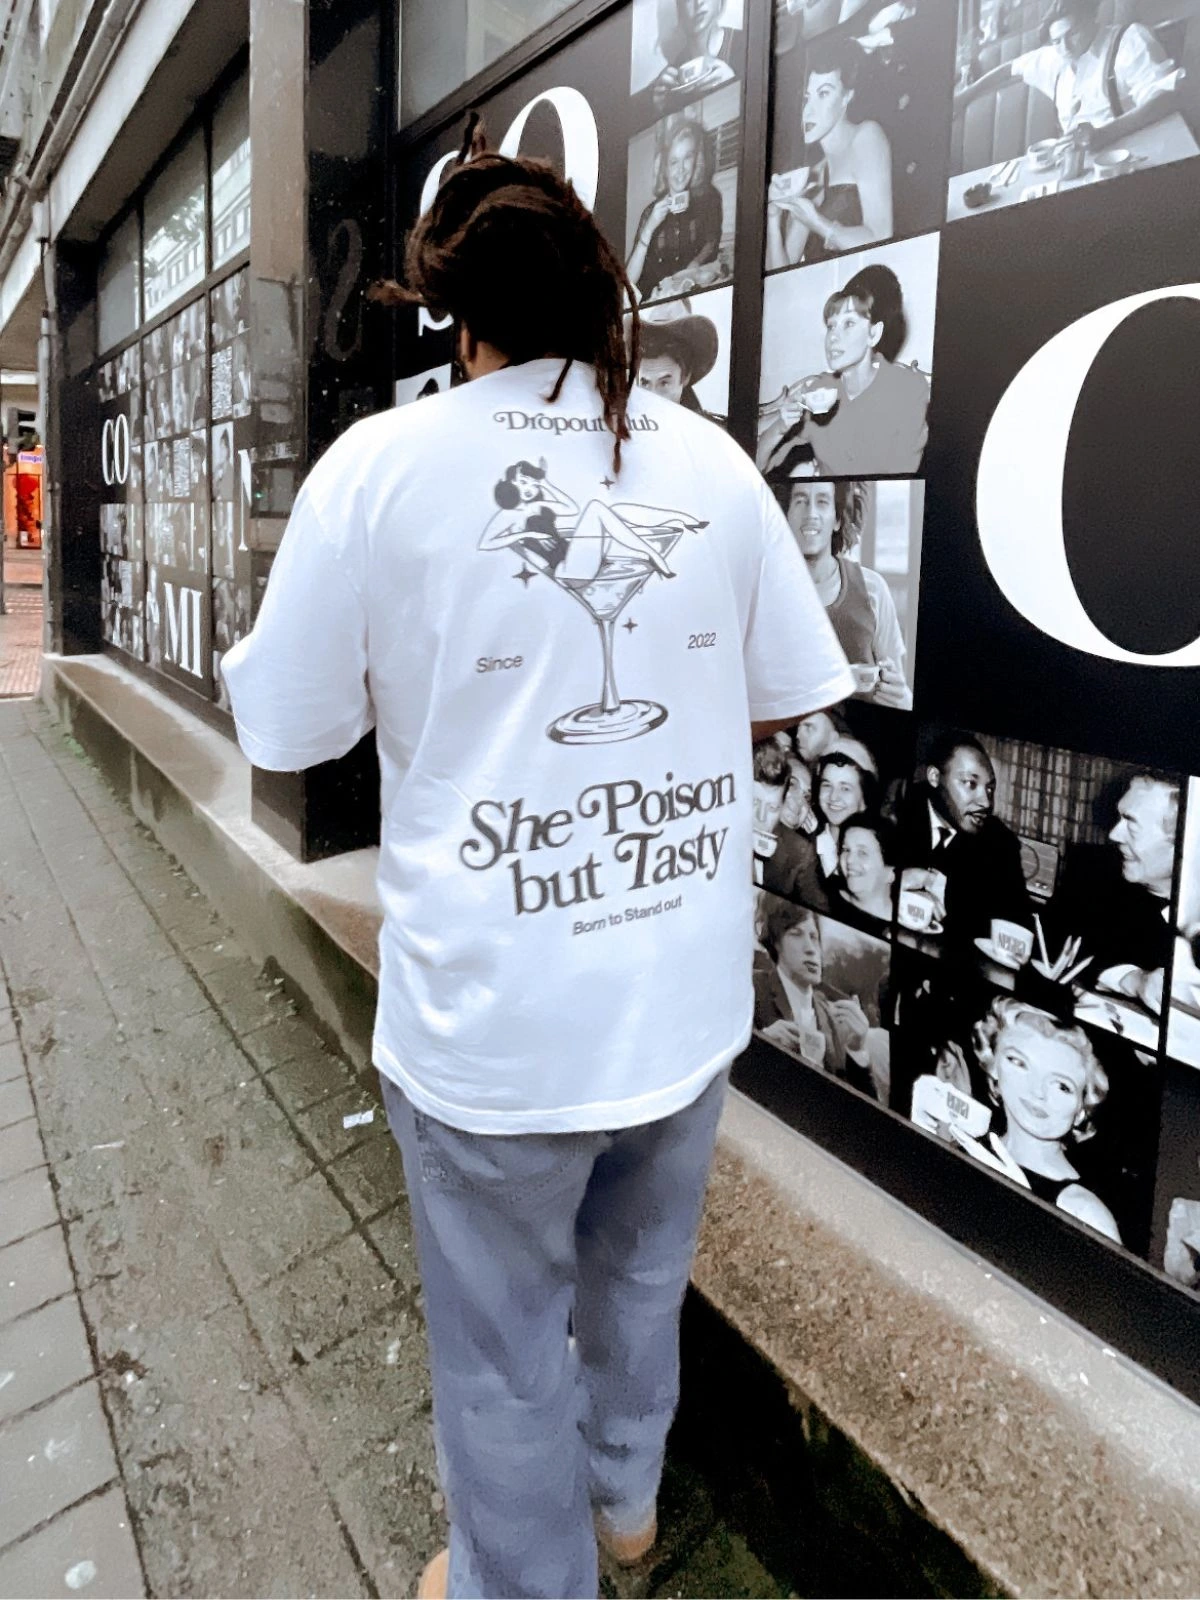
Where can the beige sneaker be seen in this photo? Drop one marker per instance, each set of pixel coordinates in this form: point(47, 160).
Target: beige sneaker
point(435, 1580)
point(627, 1549)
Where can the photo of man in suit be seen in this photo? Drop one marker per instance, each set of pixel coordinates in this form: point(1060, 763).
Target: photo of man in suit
point(1115, 897)
point(804, 1016)
point(956, 850)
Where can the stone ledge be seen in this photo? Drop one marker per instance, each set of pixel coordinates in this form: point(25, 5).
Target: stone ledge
point(978, 1440)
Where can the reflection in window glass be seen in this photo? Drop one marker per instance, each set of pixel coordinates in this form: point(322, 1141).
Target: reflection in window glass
point(231, 174)
point(445, 42)
point(119, 284)
point(175, 229)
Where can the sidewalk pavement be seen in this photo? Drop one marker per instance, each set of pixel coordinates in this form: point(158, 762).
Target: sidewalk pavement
point(22, 566)
point(212, 1364)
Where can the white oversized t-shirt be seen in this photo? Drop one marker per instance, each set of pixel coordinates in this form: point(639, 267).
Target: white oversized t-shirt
point(561, 666)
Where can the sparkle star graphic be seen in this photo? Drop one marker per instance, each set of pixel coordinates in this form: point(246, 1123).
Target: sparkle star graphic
point(629, 626)
point(525, 576)
point(607, 483)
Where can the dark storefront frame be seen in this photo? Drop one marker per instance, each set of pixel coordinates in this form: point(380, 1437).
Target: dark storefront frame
point(1120, 1298)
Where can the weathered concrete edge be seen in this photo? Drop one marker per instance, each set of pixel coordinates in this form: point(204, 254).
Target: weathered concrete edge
point(992, 1422)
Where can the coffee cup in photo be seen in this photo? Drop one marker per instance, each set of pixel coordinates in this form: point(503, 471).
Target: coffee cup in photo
point(820, 393)
point(812, 1045)
point(1111, 163)
point(916, 910)
point(1012, 940)
point(679, 202)
point(1043, 154)
point(787, 184)
point(691, 70)
point(866, 677)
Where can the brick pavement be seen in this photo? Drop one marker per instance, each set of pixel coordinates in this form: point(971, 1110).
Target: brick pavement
point(21, 642)
point(208, 1297)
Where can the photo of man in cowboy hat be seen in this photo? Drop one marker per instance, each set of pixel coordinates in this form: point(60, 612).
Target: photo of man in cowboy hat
point(680, 348)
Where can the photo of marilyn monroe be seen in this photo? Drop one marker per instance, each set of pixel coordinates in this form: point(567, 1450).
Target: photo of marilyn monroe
point(1046, 1084)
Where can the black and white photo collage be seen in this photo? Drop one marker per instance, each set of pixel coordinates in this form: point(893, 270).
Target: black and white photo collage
point(999, 942)
point(122, 540)
point(230, 379)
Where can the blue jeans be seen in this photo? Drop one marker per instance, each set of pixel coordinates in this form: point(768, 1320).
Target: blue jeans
point(523, 1240)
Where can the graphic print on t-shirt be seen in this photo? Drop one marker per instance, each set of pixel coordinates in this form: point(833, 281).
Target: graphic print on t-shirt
point(601, 556)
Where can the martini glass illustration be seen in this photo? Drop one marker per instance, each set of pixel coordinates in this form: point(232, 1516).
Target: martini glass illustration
point(621, 575)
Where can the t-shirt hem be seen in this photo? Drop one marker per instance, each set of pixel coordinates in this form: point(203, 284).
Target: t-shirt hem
point(273, 757)
point(596, 1118)
point(832, 693)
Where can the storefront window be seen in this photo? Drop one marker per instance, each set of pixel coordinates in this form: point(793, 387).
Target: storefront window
point(174, 257)
point(231, 174)
point(445, 42)
point(119, 290)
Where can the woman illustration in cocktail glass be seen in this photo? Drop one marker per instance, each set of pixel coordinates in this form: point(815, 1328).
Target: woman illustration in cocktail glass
point(842, 200)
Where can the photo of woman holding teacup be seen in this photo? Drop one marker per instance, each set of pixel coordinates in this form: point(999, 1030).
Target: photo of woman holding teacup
point(842, 199)
point(677, 241)
point(683, 48)
point(864, 415)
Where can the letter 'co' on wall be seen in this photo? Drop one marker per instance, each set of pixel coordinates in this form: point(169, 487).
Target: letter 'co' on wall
point(1060, 598)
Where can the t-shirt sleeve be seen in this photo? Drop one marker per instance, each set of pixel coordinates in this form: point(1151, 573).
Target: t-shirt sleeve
point(794, 663)
point(1143, 68)
point(1039, 69)
point(298, 682)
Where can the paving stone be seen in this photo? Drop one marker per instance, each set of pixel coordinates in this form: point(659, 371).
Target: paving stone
point(52, 1457)
point(42, 1354)
point(370, 1176)
point(190, 1062)
point(392, 1236)
point(215, 1467)
point(261, 1235)
point(88, 1550)
point(323, 1123)
point(27, 1205)
point(21, 1148)
point(153, 1257)
point(320, 1300)
point(108, 1171)
point(8, 1031)
point(245, 1000)
point(394, 1512)
point(12, 1062)
point(163, 994)
point(33, 1271)
point(16, 1102)
point(283, 1041)
point(306, 1079)
point(244, 1135)
point(370, 1391)
point(221, 954)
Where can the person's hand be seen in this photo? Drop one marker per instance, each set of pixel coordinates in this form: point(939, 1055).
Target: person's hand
point(852, 1020)
point(892, 688)
point(1181, 1256)
point(659, 213)
point(665, 85)
point(1146, 987)
point(792, 411)
point(952, 1067)
point(784, 1034)
point(802, 209)
point(819, 394)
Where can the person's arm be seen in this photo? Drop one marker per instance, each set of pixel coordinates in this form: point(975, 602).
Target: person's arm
point(1161, 104)
point(791, 415)
point(995, 79)
point(298, 681)
point(887, 645)
point(1148, 78)
point(786, 236)
point(1088, 1208)
point(652, 217)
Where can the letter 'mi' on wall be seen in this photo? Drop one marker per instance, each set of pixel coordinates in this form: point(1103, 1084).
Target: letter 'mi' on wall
point(182, 609)
point(1084, 475)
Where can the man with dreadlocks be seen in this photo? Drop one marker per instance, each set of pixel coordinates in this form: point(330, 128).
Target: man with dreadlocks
point(566, 955)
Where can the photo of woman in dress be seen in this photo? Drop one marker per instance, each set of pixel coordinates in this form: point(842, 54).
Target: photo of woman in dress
point(865, 414)
point(1043, 1075)
point(841, 199)
point(678, 238)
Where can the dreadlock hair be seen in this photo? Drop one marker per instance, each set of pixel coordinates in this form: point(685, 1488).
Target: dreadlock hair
point(509, 249)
